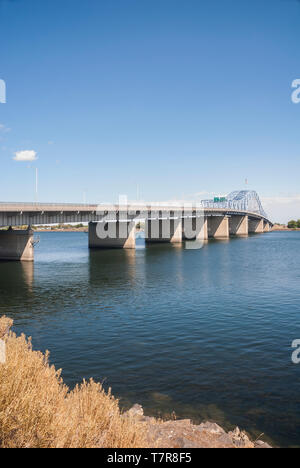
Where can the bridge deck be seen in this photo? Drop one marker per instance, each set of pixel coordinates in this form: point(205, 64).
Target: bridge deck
point(34, 209)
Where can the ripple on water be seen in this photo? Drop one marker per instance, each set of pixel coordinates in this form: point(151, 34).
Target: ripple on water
point(204, 333)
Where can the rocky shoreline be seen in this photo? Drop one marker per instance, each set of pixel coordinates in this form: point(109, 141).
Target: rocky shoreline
point(103, 425)
point(183, 434)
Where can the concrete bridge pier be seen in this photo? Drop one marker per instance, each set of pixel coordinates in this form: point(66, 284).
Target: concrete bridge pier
point(256, 226)
point(218, 227)
point(112, 235)
point(238, 225)
point(198, 228)
point(17, 245)
point(163, 230)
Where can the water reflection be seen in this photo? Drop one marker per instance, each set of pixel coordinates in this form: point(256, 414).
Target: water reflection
point(16, 277)
point(28, 274)
point(204, 333)
point(115, 268)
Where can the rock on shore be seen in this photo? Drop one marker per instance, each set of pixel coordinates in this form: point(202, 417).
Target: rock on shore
point(183, 434)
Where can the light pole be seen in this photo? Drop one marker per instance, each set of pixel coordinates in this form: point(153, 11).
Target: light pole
point(36, 184)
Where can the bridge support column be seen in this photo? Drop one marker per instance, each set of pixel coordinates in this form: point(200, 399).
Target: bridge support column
point(163, 230)
point(202, 233)
point(267, 226)
point(119, 235)
point(256, 226)
point(238, 225)
point(17, 245)
point(218, 227)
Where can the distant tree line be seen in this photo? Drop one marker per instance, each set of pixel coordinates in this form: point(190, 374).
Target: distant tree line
point(294, 224)
point(59, 226)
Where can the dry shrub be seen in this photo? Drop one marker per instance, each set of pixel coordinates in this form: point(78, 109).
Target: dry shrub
point(94, 420)
point(5, 324)
point(38, 410)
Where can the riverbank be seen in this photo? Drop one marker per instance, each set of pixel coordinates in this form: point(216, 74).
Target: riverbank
point(280, 227)
point(183, 433)
point(275, 228)
point(62, 230)
point(38, 410)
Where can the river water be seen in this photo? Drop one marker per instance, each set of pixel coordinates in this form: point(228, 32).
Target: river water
point(205, 333)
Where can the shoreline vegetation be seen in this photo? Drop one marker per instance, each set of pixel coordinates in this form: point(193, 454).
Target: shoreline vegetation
point(283, 227)
point(291, 226)
point(37, 410)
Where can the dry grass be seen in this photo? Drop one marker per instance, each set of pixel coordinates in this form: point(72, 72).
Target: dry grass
point(38, 410)
point(5, 325)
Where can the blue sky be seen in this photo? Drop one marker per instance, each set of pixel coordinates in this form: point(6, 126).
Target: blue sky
point(183, 98)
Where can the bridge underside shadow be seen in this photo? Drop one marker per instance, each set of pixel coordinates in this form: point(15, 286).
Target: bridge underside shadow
point(18, 245)
point(173, 231)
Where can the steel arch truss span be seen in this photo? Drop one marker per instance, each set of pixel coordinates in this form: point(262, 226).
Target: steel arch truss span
point(243, 200)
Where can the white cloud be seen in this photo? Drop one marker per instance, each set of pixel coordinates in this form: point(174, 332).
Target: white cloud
point(282, 208)
point(28, 155)
point(4, 128)
point(281, 199)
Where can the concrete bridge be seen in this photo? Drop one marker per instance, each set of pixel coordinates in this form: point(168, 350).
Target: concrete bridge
point(114, 226)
